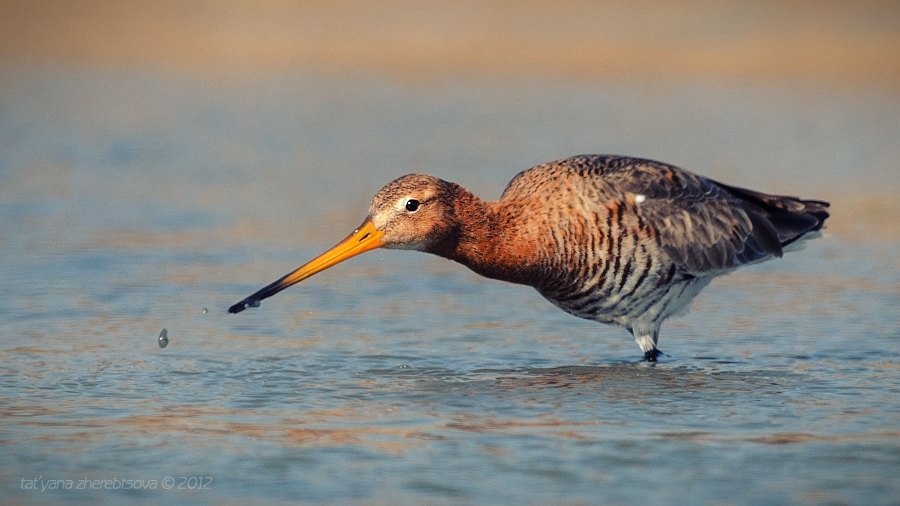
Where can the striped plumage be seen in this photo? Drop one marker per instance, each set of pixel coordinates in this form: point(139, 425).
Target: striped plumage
point(618, 240)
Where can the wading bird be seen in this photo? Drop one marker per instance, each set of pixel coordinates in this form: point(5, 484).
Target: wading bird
point(617, 240)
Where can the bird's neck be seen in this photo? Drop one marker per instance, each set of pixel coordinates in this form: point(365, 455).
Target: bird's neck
point(490, 239)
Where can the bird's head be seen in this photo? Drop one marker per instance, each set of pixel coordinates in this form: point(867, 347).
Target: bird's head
point(412, 212)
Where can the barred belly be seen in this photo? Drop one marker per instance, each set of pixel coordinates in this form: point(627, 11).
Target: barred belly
point(620, 276)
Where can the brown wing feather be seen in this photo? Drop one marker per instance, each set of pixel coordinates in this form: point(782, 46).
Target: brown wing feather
point(705, 226)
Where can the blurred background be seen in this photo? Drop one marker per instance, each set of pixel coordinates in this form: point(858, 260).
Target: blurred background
point(833, 43)
point(161, 160)
point(754, 92)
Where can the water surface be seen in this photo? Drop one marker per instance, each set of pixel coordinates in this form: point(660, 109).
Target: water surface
point(133, 200)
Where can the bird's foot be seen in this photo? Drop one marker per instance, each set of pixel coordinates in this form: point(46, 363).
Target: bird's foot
point(651, 355)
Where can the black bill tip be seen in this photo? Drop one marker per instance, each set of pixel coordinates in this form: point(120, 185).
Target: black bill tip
point(242, 305)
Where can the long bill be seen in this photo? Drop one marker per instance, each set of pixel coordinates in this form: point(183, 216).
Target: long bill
point(363, 239)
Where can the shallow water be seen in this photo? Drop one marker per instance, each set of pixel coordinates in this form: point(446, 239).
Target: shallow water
point(131, 201)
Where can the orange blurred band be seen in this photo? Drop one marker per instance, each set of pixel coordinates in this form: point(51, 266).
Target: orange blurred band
point(363, 239)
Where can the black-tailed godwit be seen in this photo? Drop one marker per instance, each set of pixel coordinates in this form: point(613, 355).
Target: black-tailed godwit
point(617, 240)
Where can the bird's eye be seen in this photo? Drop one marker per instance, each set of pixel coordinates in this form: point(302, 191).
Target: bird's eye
point(412, 205)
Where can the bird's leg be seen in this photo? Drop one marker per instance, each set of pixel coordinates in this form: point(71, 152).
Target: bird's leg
point(646, 337)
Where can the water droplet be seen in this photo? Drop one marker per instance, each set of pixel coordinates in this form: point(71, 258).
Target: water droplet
point(205, 310)
point(252, 303)
point(163, 338)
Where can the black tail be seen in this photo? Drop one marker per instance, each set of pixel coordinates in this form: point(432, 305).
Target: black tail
point(790, 217)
